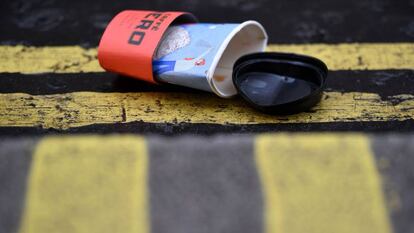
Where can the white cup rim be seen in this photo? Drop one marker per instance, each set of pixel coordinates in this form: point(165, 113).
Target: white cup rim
point(222, 49)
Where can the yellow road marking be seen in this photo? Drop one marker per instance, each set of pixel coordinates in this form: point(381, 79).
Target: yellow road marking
point(59, 59)
point(76, 109)
point(74, 59)
point(367, 56)
point(88, 184)
point(320, 183)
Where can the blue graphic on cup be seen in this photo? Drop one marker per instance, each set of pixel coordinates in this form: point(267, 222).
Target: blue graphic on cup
point(202, 55)
point(163, 66)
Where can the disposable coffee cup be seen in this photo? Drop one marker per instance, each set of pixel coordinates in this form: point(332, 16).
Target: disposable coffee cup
point(171, 47)
point(227, 59)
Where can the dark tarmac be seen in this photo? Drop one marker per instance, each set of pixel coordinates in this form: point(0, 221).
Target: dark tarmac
point(202, 175)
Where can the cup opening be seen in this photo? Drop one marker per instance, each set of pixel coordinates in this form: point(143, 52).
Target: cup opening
point(248, 37)
point(184, 19)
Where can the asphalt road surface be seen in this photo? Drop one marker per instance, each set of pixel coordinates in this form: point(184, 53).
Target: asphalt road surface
point(84, 150)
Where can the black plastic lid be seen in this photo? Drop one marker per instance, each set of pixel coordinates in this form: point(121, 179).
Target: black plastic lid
point(280, 83)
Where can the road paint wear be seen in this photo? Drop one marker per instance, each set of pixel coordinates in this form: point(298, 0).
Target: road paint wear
point(63, 111)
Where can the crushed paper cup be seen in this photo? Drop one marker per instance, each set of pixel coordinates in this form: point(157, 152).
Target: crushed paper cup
point(171, 47)
point(202, 55)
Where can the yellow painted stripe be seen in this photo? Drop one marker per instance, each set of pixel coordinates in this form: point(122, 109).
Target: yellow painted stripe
point(59, 59)
point(86, 108)
point(88, 184)
point(375, 56)
point(74, 59)
point(320, 183)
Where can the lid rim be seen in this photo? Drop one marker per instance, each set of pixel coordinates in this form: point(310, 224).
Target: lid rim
point(301, 62)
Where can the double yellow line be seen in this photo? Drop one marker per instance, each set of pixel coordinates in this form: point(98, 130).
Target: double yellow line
point(63, 111)
point(310, 183)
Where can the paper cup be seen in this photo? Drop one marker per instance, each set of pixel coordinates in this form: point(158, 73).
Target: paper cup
point(202, 55)
point(171, 47)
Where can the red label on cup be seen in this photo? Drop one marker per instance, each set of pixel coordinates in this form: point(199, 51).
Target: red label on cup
point(131, 38)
